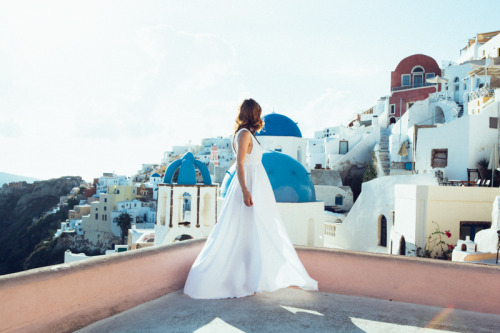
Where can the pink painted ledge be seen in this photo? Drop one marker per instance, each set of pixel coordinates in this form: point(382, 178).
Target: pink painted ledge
point(67, 297)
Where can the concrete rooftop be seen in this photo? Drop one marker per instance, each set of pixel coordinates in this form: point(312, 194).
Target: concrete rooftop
point(292, 310)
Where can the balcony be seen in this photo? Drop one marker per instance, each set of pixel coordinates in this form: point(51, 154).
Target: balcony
point(413, 86)
point(358, 292)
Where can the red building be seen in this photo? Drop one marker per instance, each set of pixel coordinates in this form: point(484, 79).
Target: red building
point(409, 83)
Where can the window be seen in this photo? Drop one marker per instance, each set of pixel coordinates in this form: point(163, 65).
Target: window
point(469, 228)
point(493, 122)
point(105, 208)
point(393, 109)
point(429, 76)
point(105, 199)
point(439, 158)
point(96, 216)
point(405, 80)
point(339, 200)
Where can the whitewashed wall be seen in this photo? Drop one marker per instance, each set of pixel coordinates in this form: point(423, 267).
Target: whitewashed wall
point(290, 145)
point(359, 230)
point(304, 222)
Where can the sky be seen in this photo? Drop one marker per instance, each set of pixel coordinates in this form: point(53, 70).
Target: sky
point(88, 87)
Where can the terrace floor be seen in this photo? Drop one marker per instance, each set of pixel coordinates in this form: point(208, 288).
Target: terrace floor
point(292, 310)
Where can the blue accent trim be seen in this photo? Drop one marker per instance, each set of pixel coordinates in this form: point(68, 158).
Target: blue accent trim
point(279, 125)
point(187, 171)
point(170, 172)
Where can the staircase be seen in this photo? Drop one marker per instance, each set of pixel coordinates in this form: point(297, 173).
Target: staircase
point(461, 110)
point(383, 155)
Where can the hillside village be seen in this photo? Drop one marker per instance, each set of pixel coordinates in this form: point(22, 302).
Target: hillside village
point(414, 175)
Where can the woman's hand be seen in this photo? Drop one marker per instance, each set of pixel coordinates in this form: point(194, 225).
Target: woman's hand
point(247, 198)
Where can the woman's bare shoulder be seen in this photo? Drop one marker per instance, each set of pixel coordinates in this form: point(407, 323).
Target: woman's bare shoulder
point(243, 134)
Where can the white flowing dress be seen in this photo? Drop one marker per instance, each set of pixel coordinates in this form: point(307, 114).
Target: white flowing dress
point(249, 249)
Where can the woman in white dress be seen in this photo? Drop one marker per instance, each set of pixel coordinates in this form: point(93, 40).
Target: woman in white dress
point(249, 249)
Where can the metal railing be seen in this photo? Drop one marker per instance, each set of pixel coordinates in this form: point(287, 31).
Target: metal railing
point(481, 92)
point(412, 86)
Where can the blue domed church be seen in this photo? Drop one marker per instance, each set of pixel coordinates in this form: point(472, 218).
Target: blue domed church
point(282, 134)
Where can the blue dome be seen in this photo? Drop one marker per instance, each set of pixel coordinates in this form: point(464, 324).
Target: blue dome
point(279, 125)
point(289, 179)
point(187, 171)
point(155, 175)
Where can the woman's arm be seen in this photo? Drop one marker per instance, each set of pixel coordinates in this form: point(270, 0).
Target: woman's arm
point(244, 142)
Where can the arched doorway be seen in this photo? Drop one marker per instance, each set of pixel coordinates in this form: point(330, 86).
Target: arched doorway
point(382, 231)
point(438, 115)
point(402, 246)
point(392, 120)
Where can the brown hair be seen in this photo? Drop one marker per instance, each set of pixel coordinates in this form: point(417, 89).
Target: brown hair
point(249, 116)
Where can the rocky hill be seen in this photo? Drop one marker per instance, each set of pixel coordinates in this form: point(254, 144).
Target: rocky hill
point(24, 224)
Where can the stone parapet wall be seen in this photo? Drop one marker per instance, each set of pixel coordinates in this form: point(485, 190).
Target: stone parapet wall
point(67, 297)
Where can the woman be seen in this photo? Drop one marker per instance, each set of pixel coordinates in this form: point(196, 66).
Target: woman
point(249, 249)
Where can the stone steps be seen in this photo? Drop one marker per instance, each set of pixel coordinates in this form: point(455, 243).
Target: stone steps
point(383, 155)
point(461, 112)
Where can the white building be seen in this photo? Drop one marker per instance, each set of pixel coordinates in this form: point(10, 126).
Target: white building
point(110, 179)
point(483, 45)
point(421, 210)
point(374, 208)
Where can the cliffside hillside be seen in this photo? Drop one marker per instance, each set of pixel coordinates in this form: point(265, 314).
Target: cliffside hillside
point(23, 228)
